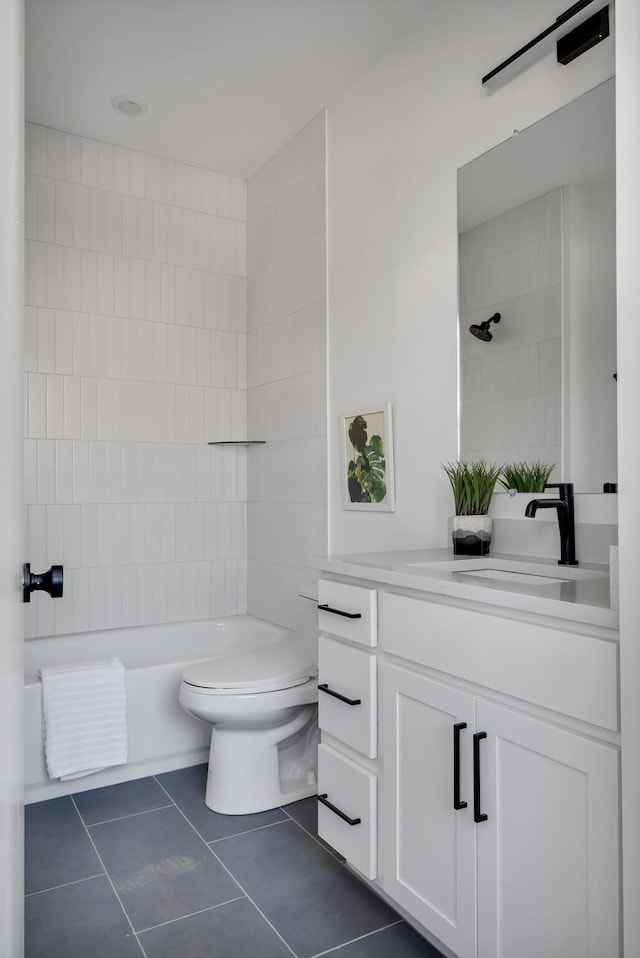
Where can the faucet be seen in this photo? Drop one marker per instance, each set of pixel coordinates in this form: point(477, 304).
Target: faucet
point(564, 507)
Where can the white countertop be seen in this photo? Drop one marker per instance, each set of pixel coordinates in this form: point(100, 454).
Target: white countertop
point(586, 601)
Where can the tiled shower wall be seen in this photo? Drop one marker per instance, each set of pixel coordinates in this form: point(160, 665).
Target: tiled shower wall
point(135, 358)
point(511, 387)
point(286, 372)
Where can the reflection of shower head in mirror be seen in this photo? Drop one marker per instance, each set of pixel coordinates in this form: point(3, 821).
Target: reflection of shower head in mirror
point(482, 331)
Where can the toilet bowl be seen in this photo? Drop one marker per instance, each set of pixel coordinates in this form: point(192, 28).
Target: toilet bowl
point(263, 709)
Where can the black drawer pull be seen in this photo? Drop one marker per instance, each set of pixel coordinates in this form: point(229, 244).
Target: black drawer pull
point(325, 688)
point(457, 728)
point(347, 615)
point(345, 818)
point(478, 816)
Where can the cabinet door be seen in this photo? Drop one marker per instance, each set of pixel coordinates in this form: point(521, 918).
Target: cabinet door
point(548, 850)
point(429, 847)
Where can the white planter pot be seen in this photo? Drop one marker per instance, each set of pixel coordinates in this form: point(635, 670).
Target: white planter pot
point(471, 535)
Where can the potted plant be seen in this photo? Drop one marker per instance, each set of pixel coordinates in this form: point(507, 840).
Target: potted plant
point(473, 484)
point(526, 476)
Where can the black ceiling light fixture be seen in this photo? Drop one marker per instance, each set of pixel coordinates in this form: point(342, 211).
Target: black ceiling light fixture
point(482, 331)
point(575, 31)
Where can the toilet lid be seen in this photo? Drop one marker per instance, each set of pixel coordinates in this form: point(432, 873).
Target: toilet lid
point(278, 666)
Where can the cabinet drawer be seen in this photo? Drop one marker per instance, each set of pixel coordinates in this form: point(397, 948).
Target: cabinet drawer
point(348, 674)
point(575, 675)
point(350, 613)
point(351, 790)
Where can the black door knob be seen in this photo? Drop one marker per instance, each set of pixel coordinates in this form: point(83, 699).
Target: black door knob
point(50, 581)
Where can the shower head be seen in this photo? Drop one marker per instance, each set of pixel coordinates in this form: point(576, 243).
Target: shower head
point(482, 331)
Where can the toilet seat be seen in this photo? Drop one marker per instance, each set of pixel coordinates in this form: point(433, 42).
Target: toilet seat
point(278, 666)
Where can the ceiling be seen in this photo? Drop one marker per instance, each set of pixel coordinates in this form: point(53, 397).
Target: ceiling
point(227, 82)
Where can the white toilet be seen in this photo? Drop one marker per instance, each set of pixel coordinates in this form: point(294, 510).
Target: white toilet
point(263, 708)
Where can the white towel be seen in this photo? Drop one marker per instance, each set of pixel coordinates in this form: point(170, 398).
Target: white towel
point(84, 717)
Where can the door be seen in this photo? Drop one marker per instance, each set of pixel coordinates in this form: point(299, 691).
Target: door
point(548, 850)
point(429, 853)
point(11, 558)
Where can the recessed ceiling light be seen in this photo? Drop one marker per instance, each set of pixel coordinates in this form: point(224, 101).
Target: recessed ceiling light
point(129, 105)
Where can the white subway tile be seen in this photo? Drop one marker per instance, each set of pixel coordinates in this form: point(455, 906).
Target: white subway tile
point(209, 296)
point(79, 590)
point(89, 408)
point(196, 298)
point(174, 351)
point(182, 185)
point(217, 244)
point(97, 220)
point(105, 284)
point(189, 363)
point(72, 158)
point(203, 241)
point(81, 344)
point(72, 408)
point(89, 280)
point(37, 536)
point(136, 532)
point(129, 595)
point(81, 216)
point(174, 592)
point(113, 213)
point(183, 528)
point(97, 345)
point(145, 351)
point(160, 233)
point(210, 414)
point(105, 535)
point(230, 247)
point(129, 349)
point(209, 193)
point(46, 210)
point(241, 249)
point(196, 188)
point(130, 472)
point(167, 532)
point(167, 294)
point(113, 598)
point(31, 206)
point(174, 236)
point(217, 588)
point(122, 411)
point(72, 535)
point(138, 411)
point(46, 341)
point(55, 407)
point(46, 471)
point(168, 412)
point(121, 176)
point(63, 341)
point(159, 351)
point(106, 409)
point(137, 289)
point(152, 532)
point(203, 590)
point(237, 202)
point(63, 614)
point(72, 278)
point(121, 533)
point(37, 405)
point(168, 182)
point(30, 477)
point(159, 474)
point(30, 339)
point(231, 587)
point(217, 359)
point(106, 166)
point(129, 226)
point(153, 176)
point(145, 229)
point(152, 292)
point(223, 305)
point(89, 535)
point(189, 238)
point(55, 276)
point(223, 203)
point(121, 286)
point(182, 296)
point(196, 531)
point(36, 149)
point(203, 357)
point(203, 478)
point(160, 605)
point(98, 467)
point(97, 599)
point(113, 472)
point(153, 402)
point(55, 154)
point(188, 464)
point(113, 347)
point(137, 174)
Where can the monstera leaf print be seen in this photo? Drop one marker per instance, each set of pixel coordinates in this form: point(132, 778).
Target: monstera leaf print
point(366, 471)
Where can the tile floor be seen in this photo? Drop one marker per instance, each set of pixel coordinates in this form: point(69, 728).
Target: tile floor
point(146, 869)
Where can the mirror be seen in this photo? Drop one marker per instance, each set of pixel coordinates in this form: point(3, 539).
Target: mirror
point(536, 225)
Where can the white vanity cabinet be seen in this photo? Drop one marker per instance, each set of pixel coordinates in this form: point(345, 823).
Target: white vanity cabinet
point(347, 717)
point(501, 827)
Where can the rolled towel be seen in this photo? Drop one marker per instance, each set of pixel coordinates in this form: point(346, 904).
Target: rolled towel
point(84, 717)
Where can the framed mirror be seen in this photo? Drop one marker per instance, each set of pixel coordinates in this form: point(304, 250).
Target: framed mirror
point(536, 225)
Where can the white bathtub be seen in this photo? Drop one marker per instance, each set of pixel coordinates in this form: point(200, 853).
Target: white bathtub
point(162, 736)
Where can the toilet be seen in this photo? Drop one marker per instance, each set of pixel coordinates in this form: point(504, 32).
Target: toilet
point(263, 708)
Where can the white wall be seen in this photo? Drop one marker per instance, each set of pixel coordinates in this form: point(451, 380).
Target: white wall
point(11, 645)
point(135, 358)
point(286, 369)
point(510, 388)
point(395, 141)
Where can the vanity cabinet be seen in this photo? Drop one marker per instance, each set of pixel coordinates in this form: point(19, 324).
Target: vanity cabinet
point(347, 717)
point(499, 822)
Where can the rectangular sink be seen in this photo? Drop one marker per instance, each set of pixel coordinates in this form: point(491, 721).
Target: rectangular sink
point(504, 575)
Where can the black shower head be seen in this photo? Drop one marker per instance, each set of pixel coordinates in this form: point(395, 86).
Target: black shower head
point(482, 331)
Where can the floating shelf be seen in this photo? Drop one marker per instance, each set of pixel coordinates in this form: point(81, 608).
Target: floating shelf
point(237, 442)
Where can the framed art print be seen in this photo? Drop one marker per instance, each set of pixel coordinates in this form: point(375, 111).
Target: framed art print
point(367, 480)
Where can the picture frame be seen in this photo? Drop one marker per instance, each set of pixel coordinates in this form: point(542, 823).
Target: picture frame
point(367, 459)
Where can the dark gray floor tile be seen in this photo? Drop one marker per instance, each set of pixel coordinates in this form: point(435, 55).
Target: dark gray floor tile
point(57, 848)
point(309, 897)
point(160, 868)
point(228, 931)
point(305, 813)
point(76, 921)
point(115, 801)
point(187, 787)
point(400, 941)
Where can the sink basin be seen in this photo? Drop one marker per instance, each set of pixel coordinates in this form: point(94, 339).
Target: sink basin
point(512, 570)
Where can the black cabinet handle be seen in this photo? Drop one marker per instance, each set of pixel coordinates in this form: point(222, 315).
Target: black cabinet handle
point(325, 688)
point(345, 818)
point(478, 816)
point(50, 581)
point(347, 615)
point(457, 728)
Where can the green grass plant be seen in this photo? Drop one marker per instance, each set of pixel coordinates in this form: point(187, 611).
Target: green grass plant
point(526, 476)
point(473, 484)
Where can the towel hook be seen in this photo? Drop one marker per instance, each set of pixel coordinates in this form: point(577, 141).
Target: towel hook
point(50, 581)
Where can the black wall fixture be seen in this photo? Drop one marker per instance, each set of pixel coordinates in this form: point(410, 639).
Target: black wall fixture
point(575, 31)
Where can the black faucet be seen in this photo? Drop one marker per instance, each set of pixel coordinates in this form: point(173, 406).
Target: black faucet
point(564, 507)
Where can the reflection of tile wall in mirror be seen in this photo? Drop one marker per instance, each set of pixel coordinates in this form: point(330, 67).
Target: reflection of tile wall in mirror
point(510, 387)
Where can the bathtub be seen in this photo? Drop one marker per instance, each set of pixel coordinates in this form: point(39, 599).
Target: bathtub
point(162, 737)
